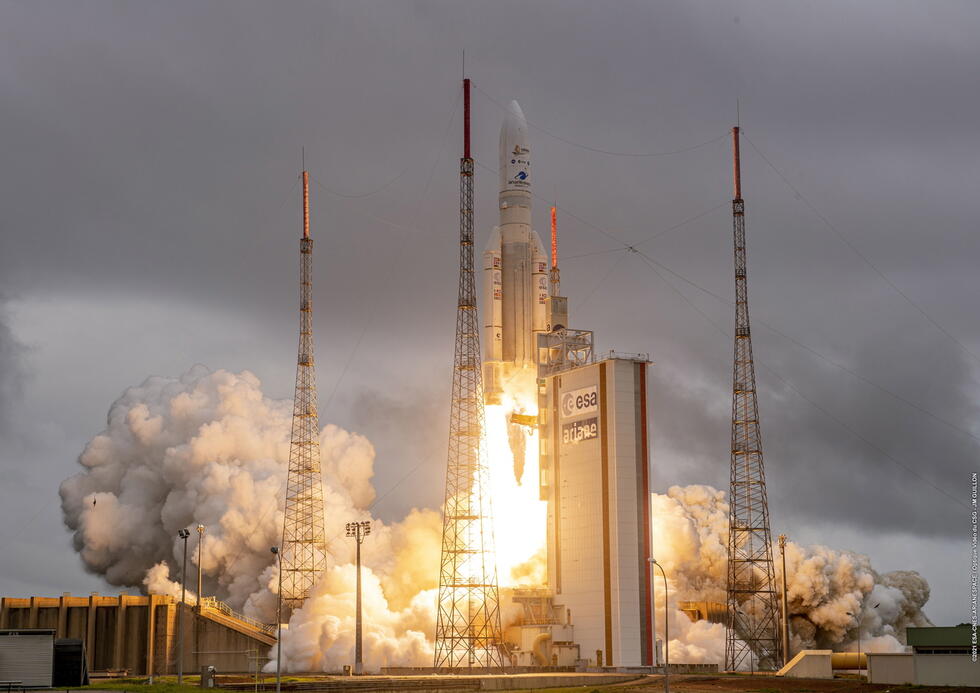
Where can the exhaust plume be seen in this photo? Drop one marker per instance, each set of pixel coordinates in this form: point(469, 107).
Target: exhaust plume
point(209, 448)
point(690, 538)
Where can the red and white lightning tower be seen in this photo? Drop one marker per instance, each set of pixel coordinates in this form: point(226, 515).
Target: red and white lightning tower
point(754, 618)
point(303, 539)
point(555, 275)
point(468, 618)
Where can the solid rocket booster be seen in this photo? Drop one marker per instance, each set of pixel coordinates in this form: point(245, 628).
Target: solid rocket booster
point(515, 266)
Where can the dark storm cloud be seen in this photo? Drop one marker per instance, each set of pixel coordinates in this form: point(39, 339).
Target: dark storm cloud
point(150, 152)
point(12, 373)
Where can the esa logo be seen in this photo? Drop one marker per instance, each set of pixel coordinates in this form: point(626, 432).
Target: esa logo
point(582, 401)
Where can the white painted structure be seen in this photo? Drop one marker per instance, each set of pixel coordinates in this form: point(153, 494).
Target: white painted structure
point(891, 667)
point(592, 421)
point(809, 664)
point(515, 279)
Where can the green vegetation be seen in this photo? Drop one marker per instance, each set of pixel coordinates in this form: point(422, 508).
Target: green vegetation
point(160, 685)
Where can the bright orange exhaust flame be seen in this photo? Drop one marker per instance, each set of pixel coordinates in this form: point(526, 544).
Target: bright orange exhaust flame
point(519, 517)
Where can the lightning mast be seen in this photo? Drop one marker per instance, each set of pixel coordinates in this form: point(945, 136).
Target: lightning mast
point(303, 541)
point(754, 624)
point(555, 276)
point(468, 618)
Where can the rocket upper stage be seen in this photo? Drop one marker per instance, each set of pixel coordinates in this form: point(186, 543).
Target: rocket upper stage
point(515, 154)
point(515, 265)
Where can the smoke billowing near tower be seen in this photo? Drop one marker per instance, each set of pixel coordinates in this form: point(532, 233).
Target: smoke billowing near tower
point(303, 540)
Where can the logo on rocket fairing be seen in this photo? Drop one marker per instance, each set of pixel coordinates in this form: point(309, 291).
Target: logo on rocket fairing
point(521, 176)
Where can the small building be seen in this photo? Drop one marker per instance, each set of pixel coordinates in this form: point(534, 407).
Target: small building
point(27, 657)
point(944, 656)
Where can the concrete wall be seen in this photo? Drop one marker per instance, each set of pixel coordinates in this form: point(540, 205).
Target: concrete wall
point(946, 670)
point(891, 667)
point(139, 633)
point(809, 664)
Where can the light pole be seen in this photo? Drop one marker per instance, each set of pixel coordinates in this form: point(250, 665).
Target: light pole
point(275, 550)
point(200, 556)
point(653, 609)
point(358, 530)
point(785, 628)
point(183, 534)
point(860, 620)
point(653, 561)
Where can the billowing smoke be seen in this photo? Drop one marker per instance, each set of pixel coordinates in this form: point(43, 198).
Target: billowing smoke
point(690, 537)
point(208, 448)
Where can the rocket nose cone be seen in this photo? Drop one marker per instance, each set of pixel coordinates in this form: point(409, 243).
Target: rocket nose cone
point(515, 115)
point(514, 150)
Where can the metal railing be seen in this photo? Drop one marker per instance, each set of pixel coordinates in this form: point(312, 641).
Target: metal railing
point(221, 607)
point(625, 355)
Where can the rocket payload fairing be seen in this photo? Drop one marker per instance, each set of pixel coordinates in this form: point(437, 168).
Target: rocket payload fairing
point(515, 267)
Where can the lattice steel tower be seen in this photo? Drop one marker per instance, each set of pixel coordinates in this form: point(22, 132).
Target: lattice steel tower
point(303, 542)
point(468, 619)
point(754, 619)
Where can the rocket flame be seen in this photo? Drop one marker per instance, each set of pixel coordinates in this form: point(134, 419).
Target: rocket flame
point(519, 516)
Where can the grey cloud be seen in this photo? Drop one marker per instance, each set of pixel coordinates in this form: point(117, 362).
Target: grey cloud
point(151, 150)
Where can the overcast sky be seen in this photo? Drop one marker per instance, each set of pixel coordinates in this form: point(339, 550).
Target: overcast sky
point(149, 218)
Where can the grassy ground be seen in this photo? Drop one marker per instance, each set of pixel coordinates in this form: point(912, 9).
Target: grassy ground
point(654, 684)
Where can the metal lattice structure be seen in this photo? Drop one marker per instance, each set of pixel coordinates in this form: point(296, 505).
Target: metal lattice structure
point(754, 617)
point(468, 619)
point(303, 540)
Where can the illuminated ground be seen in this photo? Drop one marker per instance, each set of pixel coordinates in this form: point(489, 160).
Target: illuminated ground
point(648, 684)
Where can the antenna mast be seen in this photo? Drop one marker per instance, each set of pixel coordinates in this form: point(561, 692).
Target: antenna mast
point(555, 276)
point(468, 621)
point(753, 617)
point(303, 540)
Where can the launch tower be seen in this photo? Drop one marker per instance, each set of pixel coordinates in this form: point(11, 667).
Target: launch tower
point(754, 623)
point(303, 542)
point(468, 619)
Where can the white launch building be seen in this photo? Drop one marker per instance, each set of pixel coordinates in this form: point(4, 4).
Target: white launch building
point(592, 424)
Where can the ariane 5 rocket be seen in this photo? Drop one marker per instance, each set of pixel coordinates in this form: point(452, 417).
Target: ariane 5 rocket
point(515, 268)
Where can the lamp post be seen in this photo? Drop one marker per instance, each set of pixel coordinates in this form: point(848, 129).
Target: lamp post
point(653, 562)
point(200, 556)
point(653, 609)
point(183, 534)
point(860, 619)
point(785, 624)
point(278, 555)
point(358, 530)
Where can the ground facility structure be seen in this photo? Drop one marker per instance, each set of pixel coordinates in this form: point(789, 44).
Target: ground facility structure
point(935, 656)
point(594, 477)
point(139, 634)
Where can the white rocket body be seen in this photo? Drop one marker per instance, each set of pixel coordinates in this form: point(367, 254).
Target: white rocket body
point(515, 267)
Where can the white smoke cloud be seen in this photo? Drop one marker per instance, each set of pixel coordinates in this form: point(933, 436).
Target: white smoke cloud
point(209, 448)
point(824, 586)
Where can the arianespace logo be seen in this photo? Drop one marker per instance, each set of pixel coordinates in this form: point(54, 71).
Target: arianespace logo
point(521, 176)
point(585, 400)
